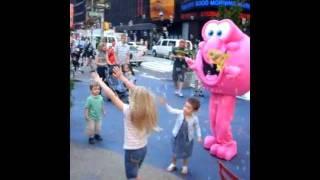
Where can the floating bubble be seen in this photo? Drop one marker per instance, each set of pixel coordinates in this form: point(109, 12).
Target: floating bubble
point(244, 168)
point(157, 90)
point(165, 87)
point(164, 95)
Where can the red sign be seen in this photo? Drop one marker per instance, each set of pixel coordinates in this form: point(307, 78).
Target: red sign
point(243, 15)
point(188, 16)
point(209, 14)
point(71, 15)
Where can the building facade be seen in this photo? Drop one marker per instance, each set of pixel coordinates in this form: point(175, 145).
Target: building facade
point(79, 16)
point(154, 19)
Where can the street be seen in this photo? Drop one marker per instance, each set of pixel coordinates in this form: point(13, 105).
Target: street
point(154, 74)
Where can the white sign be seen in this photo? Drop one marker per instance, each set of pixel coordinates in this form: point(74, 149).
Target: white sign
point(92, 14)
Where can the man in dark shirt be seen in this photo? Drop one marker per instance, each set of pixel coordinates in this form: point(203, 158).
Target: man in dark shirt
point(179, 66)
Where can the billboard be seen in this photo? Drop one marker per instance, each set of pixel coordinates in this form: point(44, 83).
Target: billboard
point(71, 15)
point(161, 9)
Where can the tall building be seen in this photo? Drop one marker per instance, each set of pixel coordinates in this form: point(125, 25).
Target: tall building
point(79, 13)
point(153, 19)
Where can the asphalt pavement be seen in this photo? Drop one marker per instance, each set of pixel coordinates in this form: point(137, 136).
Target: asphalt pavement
point(202, 164)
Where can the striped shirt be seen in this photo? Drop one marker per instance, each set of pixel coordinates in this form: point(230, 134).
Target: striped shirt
point(133, 138)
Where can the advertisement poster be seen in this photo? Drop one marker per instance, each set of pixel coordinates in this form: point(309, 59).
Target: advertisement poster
point(161, 9)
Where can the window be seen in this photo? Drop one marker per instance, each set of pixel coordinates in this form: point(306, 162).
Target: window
point(158, 43)
point(164, 43)
point(172, 43)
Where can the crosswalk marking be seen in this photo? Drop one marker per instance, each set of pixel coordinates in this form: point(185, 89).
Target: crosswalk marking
point(158, 66)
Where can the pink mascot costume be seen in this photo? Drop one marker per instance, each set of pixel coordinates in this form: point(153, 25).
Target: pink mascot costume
point(222, 65)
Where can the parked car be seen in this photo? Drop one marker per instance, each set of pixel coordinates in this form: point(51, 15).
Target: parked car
point(135, 56)
point(164, 47)
point(139, 46)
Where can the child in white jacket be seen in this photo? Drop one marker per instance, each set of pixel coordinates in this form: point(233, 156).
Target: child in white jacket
point(183, 132)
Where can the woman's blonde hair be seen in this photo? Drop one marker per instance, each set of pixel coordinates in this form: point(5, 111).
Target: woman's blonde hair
point(100, 46)
point(143, 109)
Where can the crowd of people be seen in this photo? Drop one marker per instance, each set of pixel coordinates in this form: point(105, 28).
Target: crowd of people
point(102, 58)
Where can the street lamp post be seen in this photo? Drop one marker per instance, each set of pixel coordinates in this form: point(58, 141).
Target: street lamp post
point(102, 5)
point(102, 24)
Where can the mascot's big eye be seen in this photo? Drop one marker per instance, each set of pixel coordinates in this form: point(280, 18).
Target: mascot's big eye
point(210, 33)
point(219, 33)
point(224, 29)
point(210, 30)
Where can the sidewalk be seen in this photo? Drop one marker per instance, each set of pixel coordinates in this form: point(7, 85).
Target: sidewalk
point(91, 163)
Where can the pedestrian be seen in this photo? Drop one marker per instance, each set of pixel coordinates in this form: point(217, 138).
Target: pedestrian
point(179, 66)
point(75, 58)
point(140, 120)
point(93, 113)
point(122, 51)
point(88, 53)
point(128, 73)
point(198, 88)
point(111, 54)
point(101, 61)
point(183, 132)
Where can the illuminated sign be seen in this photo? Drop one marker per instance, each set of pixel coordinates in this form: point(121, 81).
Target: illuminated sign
point(71, 15)
point(187, 16)
point(211, 3)
point(210, 14)
point(161, 9)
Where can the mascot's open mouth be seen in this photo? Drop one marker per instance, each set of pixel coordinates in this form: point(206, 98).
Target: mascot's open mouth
point(212, 70)
point(209, 69)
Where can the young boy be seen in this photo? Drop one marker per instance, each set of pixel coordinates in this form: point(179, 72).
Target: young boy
point(93, 113)
point(186, 125)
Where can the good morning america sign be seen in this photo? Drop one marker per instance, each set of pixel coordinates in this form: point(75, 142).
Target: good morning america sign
point(211, 3)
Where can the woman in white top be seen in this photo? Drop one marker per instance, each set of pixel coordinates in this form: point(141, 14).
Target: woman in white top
point(140, 119)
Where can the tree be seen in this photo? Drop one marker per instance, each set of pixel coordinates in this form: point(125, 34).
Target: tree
point(232, 13)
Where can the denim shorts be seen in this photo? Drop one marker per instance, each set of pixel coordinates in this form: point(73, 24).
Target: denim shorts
point(133, 161)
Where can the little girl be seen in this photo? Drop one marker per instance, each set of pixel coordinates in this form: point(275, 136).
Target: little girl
point(140, 119)
point(183, 132)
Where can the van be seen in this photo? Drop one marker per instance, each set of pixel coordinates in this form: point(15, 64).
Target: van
point(164, 47)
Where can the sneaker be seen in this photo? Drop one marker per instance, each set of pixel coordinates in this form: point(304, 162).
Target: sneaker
point(98, 137)
point(91, 140)
point(171, 167)
point(180, 94)
point(184, 170)
point(176, 92)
